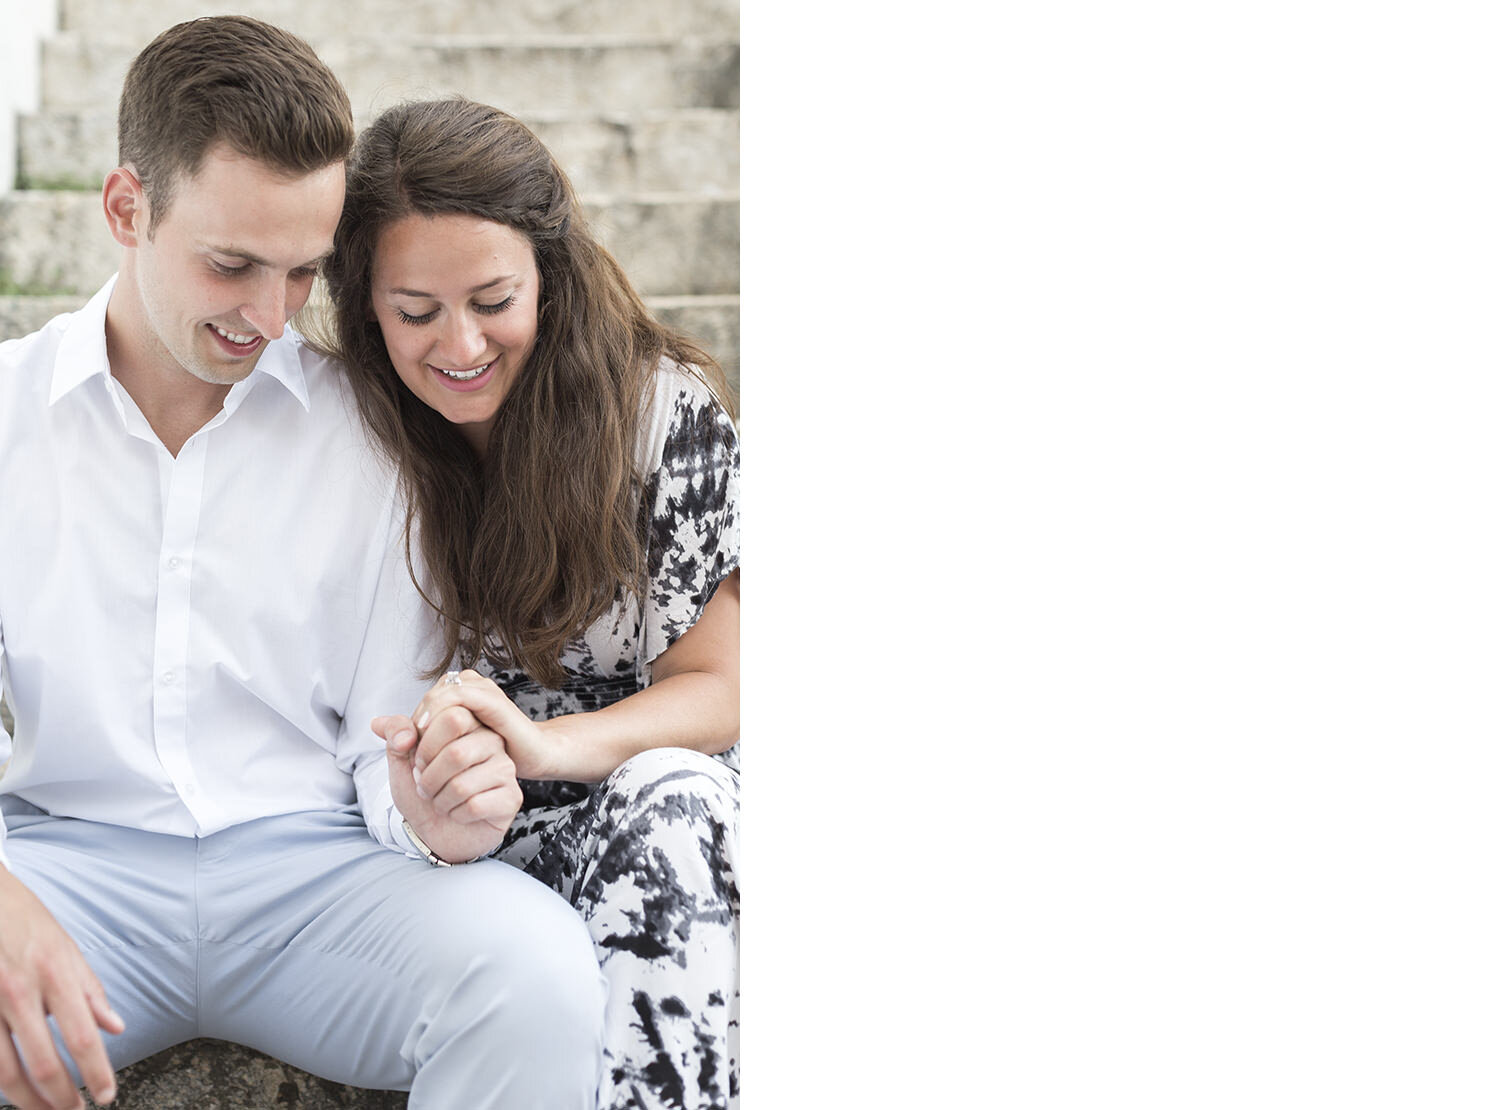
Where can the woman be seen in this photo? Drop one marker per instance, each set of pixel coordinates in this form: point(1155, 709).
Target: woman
point(573, 478)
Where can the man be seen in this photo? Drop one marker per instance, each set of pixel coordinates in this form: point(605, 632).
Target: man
point(203, 603)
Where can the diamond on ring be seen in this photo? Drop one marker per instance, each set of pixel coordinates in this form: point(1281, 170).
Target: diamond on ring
point(452, 679)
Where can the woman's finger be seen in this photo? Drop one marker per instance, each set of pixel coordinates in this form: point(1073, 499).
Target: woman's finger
point(487, 702)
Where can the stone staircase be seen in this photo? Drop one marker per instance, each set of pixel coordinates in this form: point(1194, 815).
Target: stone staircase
point(638, 100)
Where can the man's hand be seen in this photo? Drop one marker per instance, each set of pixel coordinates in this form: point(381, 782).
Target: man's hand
point(452, 780)
point(41, 973)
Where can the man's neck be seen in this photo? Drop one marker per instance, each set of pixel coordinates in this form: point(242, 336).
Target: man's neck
point(175, 403)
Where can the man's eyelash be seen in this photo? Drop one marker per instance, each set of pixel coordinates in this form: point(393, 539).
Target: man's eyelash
point(301, 274)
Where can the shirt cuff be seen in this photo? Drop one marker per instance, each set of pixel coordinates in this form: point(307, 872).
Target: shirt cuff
point(373, 788)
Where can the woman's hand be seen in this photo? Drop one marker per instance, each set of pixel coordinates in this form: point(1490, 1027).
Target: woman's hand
point(476, 698)
point(452, 780)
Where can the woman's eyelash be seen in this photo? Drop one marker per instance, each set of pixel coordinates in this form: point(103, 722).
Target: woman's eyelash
point(482, 309)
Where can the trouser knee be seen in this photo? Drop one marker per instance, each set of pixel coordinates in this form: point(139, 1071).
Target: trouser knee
point(674, 786)
point(671, 820)
point(527, 978)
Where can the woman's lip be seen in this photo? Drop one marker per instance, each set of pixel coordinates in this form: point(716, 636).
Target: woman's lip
point(477, 382)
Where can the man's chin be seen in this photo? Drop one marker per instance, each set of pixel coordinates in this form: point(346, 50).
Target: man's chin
point(223, 373)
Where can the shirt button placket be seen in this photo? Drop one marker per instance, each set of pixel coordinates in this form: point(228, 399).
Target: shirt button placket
point(182, 484)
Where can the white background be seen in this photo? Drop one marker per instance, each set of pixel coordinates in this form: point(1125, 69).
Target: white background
point(1122, 466)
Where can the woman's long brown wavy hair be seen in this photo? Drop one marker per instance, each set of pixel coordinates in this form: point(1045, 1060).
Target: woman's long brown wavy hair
point(527, 547)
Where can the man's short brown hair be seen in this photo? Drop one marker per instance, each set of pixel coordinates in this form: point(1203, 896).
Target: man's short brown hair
point(234, 80)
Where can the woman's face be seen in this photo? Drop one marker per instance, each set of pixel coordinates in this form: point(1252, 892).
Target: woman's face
point(456, 298)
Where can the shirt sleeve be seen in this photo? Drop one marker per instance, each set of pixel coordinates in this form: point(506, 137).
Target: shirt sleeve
point(5, 752)
point(693, 526)
point(400, 642)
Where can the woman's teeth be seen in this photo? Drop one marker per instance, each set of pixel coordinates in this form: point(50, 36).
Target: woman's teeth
point(463, 375)
point(233, 338)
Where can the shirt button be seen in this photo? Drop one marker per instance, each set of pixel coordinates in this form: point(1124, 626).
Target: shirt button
point(169, 677)
point(173, 563)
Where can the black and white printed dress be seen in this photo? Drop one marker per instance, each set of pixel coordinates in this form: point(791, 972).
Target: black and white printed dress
point(649, 855)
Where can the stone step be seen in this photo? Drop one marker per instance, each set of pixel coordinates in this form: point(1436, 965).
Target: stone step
point(713, 321)
point(20, 315)
point(670, 150)
point(203, 1074)
point(401, 18)
point(594, 72)
point(671, 244)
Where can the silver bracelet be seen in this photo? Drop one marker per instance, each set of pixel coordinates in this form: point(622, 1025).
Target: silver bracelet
point(432, 857)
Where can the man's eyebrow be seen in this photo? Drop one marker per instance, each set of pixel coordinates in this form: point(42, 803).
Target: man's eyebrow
point(257, 260)
point(502, 279)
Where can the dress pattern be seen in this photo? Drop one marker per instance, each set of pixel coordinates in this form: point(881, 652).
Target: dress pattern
point(649, 856)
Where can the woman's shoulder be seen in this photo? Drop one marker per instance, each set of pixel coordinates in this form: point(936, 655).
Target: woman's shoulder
point(682, 406)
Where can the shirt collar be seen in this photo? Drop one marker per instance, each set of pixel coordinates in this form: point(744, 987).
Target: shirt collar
point(281, 361)
point(82, 354)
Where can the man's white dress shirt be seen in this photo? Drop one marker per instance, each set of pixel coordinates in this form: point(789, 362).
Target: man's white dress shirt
point(194, 642)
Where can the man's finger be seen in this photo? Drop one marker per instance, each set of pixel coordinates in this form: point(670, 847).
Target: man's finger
point(467, 752)
point(450, 724)
point(13, 1082)
point(80, 1032)
point(470, 782)
point(104, 1014)
point(397, 732)
point(497, 806)
point(44, 1067)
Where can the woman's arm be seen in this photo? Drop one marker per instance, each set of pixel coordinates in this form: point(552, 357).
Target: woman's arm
point(693, 702)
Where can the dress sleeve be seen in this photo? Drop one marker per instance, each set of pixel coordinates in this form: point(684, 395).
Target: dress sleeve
point(691, 504)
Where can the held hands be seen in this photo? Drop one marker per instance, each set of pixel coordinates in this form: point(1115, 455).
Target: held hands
point(476, 698)
point(41, 973)
point(451, 778)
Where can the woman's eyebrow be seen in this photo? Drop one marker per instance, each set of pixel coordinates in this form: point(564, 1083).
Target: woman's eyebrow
point(477, 289)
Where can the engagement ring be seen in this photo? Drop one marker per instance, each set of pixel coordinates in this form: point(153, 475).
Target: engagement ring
point(452, 679)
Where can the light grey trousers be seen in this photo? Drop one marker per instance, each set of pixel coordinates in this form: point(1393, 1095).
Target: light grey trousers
point(302, 937)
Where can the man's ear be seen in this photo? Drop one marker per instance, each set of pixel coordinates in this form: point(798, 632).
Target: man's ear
point(125, 207)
